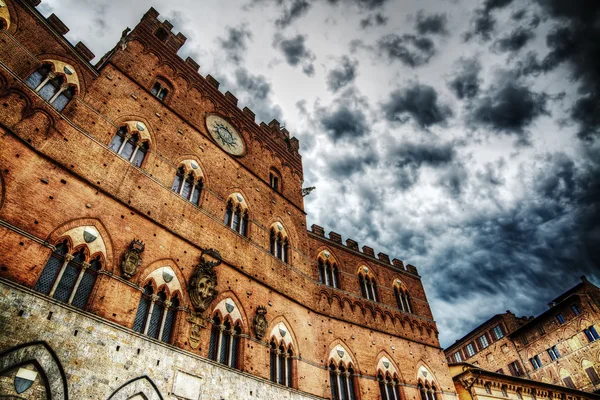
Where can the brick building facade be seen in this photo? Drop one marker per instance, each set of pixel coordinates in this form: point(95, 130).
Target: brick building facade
point(153, 241)
point(560, 346)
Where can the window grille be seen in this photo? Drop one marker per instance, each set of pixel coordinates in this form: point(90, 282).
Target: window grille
point(170, 321)
point(498, 332)
point(67, 281)
point(87, 284)
point(224, 343)
point(139, 324)
point(483, 341)
point(52, 268)
point(156, 315)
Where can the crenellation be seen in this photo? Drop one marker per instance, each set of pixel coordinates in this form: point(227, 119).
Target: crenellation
point(57, 24)
point(249, 113)
point(352, 244)
point(193, 64)
point(383, 258)
point(209, 78)
point(83, 50)
point(336, 237)
point(317, 230)
point(229, 96)
point(398, 264)
point(368, 251)
point(412, 269)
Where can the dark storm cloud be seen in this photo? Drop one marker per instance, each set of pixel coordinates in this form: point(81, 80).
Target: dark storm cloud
point(531, 245)
point(408, 158)
point(342, 75)
point(236, 42)
point(465, 81)
point(411, 50)
point(256, 91)
point(514, 41)
point(292, 11)
point(483, 22)
point(344, 165)
point(373, 20)
point(508, 107)
point(575, 41)
point(296, 53)
point(453, 179)
point(344, 122)
point(363, 4)
point(431, 24)
point(419, 102)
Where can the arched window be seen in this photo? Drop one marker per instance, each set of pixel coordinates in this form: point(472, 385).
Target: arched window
point(402, 296)
point(341, 381)
point(51, 86)
point(368, 288)
point(188, 185)
point(160, 90)
point(224, 342)
point(281, 364)
point(279, 245)
point(328, 273)
point(68, 277)
point(275, 180)
point(129, 146)
point(427, 392)
point(388, 387)
point(236, 214)
point(156, 315)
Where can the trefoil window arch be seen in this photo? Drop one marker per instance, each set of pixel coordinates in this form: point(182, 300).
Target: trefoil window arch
point(342, 382)
point(328, 272)
point(224, 345)
point(53, 86)
point(156, 314)
point(388, 387)
point(279, 243)
point(236, 217)
point(188, 184)
point(130, 146)
point(281, 358)
point(427, 392)
point(402, 297)
point(368, 287)
point(68, 277)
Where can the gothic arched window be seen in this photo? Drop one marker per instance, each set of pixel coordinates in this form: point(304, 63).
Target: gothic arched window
point(388, 387)
point(281, 364)
point(68, 277)
point(156, 315)
point(129, 146)
point(236, 217)
point(279, 245)
point(341, 381)
point(188, 185)
point(427, 392)
point(368, 288)
point(224, 342)
point(328, 273)
point(402, 296)
point(51, 86)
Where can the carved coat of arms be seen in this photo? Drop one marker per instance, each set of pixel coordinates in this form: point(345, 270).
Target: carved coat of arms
point(260, 322)
point(203, 285)
point(132, 259)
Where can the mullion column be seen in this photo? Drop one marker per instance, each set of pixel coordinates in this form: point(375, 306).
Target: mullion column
point(68, 259)
point(84, 267)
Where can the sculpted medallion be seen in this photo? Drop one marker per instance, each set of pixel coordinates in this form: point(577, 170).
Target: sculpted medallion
point(260, 322)
point(132, 259)
point(203, 285)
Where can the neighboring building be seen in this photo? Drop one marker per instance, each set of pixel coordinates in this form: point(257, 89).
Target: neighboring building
point(560, 346)
point(153, 241)
point(474, 383)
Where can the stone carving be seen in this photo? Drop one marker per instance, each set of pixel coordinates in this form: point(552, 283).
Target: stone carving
point(260, 322)
point(132, 259)
point(203, 285)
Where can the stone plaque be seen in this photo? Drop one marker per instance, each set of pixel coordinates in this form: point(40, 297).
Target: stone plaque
point(187, 386)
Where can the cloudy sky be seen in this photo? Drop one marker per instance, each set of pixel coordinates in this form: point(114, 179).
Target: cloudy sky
point(460, 136)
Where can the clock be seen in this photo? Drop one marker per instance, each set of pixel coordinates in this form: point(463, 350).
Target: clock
point(225, 135)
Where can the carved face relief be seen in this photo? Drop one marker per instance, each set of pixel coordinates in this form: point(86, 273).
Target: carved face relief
point(203, 285)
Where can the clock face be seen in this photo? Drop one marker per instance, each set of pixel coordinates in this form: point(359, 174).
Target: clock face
point(225, 135)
